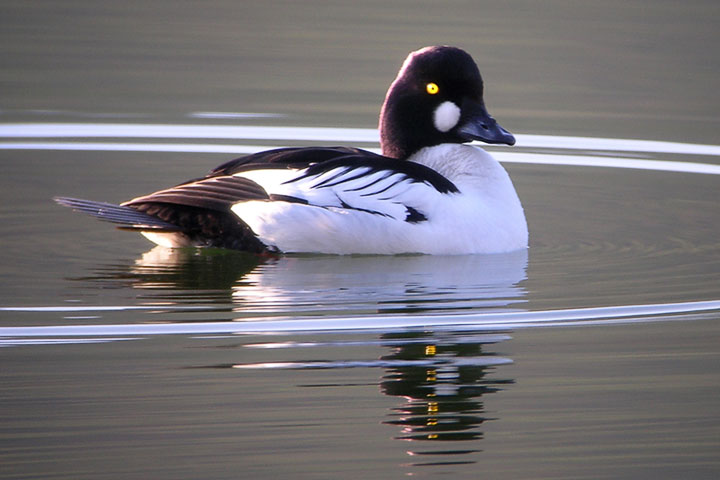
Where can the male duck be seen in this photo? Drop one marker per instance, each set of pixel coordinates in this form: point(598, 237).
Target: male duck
point(428, 192)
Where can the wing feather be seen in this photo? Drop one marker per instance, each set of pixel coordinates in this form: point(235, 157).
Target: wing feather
point(321, 176)
point(234, 204)
point(214, 193)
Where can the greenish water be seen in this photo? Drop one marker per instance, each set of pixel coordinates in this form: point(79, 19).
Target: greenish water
point(604, 396)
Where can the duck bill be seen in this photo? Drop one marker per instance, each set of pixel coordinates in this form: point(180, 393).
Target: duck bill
point(477, 124)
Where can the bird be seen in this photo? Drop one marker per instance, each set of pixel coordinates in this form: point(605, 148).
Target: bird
point(428, 192)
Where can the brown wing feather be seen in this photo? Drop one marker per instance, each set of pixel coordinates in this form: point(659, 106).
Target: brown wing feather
point(214, 193)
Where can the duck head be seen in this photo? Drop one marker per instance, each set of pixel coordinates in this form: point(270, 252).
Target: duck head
point(436, 98)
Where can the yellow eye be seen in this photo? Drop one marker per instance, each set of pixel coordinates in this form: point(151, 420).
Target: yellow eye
point(432, 88)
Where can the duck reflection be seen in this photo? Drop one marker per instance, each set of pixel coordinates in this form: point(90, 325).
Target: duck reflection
point(320, 284)
point(441, 377)
point(164, 274)
point(442, 401)
point(345, 285)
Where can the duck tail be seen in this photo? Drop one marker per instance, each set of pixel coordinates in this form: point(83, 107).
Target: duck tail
point(126, 218)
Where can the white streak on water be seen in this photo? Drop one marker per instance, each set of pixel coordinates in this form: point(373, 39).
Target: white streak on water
point(508, 157)
point(134, 130)
point(614, 144)
point(608, 162)
point(484, 361)
point(365, 135)
point(234, 115)
point(107, 308)
point(455, 340)
point(136, 147)
point(384, 323)
point(18, 342)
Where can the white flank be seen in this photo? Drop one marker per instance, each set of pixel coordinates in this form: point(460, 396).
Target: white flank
point(368, 214)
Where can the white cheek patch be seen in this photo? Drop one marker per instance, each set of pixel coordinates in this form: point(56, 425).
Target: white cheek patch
point(446, 116)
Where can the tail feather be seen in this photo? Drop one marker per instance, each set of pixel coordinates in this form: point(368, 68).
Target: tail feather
point(125, 217)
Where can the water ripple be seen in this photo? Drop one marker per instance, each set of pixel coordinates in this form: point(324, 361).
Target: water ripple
point(502, 321)
point(352, 135)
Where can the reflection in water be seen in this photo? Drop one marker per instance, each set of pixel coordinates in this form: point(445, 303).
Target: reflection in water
point(347, 285)
point(442, 401)
point(177, 276)
point(321, 284)
point(440, 376)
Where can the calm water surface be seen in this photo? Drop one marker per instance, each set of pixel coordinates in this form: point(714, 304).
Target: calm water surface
point(592, 355)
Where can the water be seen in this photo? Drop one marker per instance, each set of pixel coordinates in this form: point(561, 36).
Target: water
point(592, 355)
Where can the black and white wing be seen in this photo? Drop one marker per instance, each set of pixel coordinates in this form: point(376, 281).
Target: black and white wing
point(227, 208)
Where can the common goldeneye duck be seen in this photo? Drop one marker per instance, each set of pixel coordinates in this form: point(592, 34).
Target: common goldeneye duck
point(427, 193)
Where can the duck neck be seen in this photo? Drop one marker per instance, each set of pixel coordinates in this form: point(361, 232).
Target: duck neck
point(392, 142)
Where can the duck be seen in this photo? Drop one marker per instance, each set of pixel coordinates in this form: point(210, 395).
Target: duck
point(428, 192)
